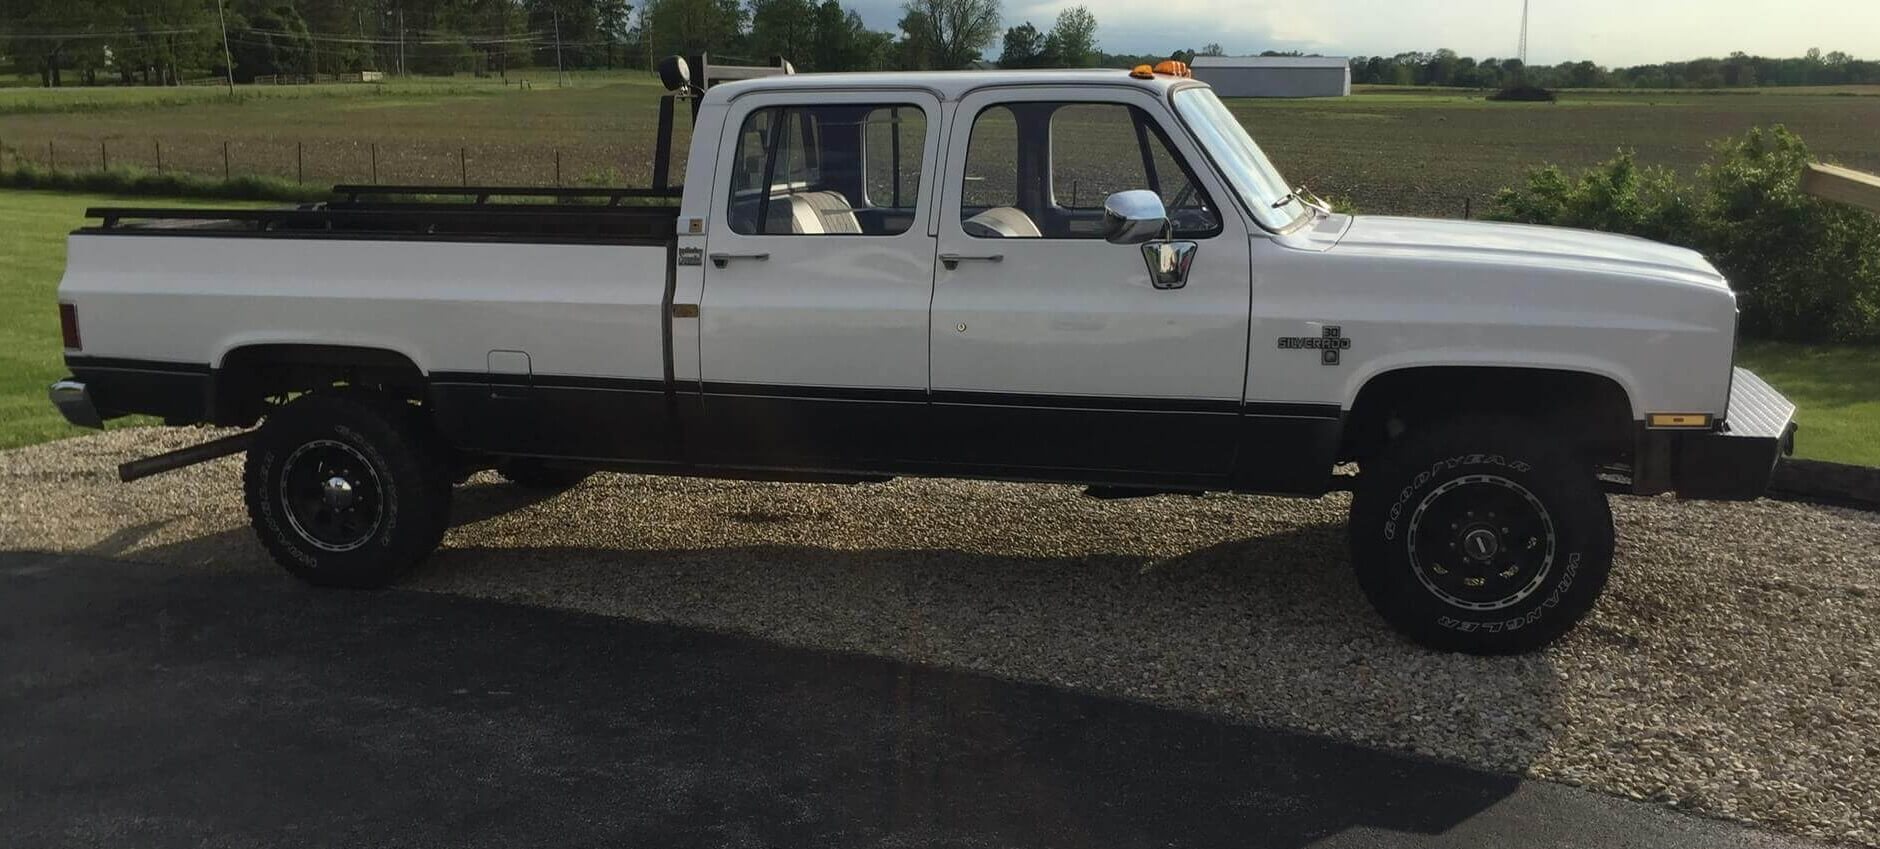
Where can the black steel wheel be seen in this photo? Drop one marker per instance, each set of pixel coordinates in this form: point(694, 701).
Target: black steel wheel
point(347, 489)
point(1481, 536)
point(331, 495)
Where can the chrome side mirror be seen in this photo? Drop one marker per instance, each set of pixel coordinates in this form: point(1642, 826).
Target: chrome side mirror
point(1133, 217)
point(1138, 217)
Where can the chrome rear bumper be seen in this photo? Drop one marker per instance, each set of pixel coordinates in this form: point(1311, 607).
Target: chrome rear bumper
point(74, 402)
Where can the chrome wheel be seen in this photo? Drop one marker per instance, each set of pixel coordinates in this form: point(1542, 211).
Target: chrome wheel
point(1481, 542)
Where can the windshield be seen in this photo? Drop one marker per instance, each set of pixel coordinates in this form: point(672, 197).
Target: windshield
point(1247, 167)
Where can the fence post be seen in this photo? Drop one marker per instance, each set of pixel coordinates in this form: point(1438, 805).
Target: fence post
point(1468, 208)
point(104, 157)
point(375, 163)
point(159, 144)
point(463, 165)
point(558, 167)
point(300, 162)
point(52, 159)
point(225, 165)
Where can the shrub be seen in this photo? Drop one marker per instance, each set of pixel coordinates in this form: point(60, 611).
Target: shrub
point(1524, 94)
point(1804, 269)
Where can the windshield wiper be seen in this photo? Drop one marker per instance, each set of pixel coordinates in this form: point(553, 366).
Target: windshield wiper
point(1310, 198)
point(1289, 198)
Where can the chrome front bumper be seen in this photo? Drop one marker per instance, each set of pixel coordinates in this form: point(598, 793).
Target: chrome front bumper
point(74, 402)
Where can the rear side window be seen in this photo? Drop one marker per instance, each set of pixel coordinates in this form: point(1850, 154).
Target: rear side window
point(836, 170)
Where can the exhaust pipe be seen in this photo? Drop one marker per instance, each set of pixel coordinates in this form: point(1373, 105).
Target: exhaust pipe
point(172, 460)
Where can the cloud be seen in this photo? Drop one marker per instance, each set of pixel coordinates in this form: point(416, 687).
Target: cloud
point(1148, 25)
point(1611, 32)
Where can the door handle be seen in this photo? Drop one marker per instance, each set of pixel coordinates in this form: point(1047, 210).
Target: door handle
point(952, 261)
point(722, 259)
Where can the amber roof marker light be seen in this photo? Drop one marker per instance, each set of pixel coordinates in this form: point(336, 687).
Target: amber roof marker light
point(1167, 68)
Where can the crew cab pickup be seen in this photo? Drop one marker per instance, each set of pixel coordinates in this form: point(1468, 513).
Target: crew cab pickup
point(1084, 277)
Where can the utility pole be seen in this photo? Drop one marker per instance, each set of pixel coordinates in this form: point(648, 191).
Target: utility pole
point(401, 39)
point(1521, 52)
point(559, 71)
point(228, 61)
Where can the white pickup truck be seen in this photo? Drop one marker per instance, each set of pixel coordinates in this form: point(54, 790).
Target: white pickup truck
point(1087, 277)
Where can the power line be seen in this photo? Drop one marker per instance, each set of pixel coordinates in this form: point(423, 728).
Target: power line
point(55, 36)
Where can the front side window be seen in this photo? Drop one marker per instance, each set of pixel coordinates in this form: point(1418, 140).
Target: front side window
point(837, 170)
point(1044, 169)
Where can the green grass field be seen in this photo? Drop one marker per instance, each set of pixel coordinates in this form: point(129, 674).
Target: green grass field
point(1837, 388)
point(1420, 151)
point(33, 226)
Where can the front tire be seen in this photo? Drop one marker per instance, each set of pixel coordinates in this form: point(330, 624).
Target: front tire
point(347, 489)
point(1481, 536)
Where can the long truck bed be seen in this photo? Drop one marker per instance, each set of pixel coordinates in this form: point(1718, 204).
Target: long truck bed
point(484, 298)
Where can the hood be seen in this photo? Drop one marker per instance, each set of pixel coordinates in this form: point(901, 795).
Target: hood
point(1554, 247)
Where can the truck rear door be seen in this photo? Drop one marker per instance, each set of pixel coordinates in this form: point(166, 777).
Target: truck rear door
point(1052, 348)
point(818, 279)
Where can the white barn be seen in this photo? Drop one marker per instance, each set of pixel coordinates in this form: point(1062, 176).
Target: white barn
point(1275, 76)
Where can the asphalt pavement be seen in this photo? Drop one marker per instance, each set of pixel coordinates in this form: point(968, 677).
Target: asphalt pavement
point(146, 709)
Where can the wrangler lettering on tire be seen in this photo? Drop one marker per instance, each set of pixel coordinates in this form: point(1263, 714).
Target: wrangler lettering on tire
point(1482, 536)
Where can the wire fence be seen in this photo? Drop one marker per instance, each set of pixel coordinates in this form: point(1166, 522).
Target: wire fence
point(319, 162)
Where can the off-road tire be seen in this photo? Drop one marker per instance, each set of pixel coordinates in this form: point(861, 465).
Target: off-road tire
point(1538, 512)
point(394, 476)
point(530, 473)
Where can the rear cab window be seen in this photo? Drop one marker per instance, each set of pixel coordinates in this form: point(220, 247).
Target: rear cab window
point(828, 170)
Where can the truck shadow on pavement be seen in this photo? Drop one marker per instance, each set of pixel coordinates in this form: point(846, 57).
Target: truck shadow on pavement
point(423, 718)
point(1271, 629)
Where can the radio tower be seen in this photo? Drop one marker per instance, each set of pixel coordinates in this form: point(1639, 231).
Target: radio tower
point(1521, 52)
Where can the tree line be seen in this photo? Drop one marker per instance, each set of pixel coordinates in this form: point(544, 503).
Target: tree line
point(1446, 68)
point(164, 42)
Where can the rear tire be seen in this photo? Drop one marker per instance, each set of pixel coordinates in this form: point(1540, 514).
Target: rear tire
point(1482, 536)
point(347, 488)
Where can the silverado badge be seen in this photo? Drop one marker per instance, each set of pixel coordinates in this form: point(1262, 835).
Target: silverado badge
point(1328, 343)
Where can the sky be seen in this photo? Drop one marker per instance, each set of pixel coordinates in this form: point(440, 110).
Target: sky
point(1609, 32)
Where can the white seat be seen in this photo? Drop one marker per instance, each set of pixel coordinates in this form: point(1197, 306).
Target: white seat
point(821, 213)
point(1002, 222)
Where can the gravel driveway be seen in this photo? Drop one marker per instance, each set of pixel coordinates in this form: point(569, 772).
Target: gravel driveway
point(1732, 669)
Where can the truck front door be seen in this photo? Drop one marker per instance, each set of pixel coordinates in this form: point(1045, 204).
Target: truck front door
point(1054, 354)
point(818, 278)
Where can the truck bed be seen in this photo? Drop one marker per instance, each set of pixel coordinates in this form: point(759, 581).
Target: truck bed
point(469, 291)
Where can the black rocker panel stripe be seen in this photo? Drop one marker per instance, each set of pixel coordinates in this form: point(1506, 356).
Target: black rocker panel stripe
point(1271, 447)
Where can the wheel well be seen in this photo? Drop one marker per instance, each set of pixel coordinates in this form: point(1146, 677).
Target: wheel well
point(1590, 409)
point(249, 376)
